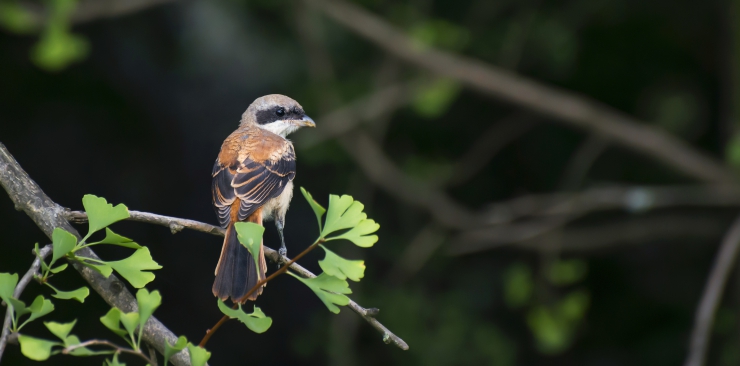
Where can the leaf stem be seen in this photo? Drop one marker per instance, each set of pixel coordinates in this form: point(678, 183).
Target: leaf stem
point(259, 284)
point(117, 348)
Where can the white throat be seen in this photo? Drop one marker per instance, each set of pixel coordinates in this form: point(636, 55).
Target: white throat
point(282, 128)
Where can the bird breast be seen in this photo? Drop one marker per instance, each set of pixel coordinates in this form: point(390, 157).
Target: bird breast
point(278, 206)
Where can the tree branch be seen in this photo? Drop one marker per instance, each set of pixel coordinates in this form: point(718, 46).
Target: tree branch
point(704, 319)
point(90, 10)
point(117, 348)
point(568, 107)
point(28, 196)
point(366, 313)
point(43, 252)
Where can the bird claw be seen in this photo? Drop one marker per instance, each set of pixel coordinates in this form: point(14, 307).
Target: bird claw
point(282, 259)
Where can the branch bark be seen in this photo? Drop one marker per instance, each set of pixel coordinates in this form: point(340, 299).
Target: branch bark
point(366, 313)
point(35, 265)
point(567, 107)
point(28, 196)
point(704, 319)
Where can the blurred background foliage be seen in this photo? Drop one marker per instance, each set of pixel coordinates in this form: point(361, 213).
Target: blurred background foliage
point(130, 100)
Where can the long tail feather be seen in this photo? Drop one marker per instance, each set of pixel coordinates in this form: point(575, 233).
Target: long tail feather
point(236, 273)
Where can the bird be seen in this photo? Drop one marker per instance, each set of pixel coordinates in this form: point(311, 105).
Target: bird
point(253, 182)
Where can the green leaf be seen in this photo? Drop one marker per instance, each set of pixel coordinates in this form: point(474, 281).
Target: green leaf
point(19, 307)
point(133, 268)
point(344, 213)
point(63, 242)
point(16, 18)
point(59, 268)
point(566, 272)
point(148, 302)
point(112, 320)
point(170, 351)
point(256, 321)
point(329, 289)
point(315, 206)
point(100, 213)
point(39, 307)
point(198, 356)
point(102, 268)
point(434, 99)
point(130, 321)
point(61, 330)
point(115, 239)
point(7, 285)
point(35, 348)
point(518, 285)
point(341, 268)
point(359, 235)
point(114, 361)
point(80, 294)
point(250, 235)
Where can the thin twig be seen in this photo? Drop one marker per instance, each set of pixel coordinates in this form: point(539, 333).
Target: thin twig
point(366, 313)
point(18, 291)
point(119, 349)
point(704, 319)
point(48, 215)
point(259, 284)
point(571, 108)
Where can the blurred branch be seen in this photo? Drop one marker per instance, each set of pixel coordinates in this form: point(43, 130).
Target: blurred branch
point(28, 197)
point(90, 10)
point(381, 170)
point(582, 160)
point(631, 199)
point(704, 319)
point(550, 211)
point(568, 107)
point(35, 265)
point(488, 145)
point(367, 108)
point(633, 231)
point(271, 254)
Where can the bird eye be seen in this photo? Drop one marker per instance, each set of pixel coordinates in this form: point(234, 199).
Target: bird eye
point(296, 110)
point(280, 112)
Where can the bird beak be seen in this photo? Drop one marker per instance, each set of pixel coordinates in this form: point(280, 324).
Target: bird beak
point(306, 121)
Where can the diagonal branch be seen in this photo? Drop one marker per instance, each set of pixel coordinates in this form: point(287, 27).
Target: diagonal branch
point(178, 224)
point(567, 107)
point(704, 319)
point(35, 265)
point(28, 196)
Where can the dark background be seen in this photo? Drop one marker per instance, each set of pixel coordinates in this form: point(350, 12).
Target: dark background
point(139, 117)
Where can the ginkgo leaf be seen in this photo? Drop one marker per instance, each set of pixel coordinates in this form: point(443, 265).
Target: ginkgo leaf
point(100, 213)
point(114, 361)
point(329, 289)
point(62, 242)
point(257, 321)
point(101, 267)
point(359, 234)
point(112, 320)
point(344, 212)
point(315, 206)
point(115, 239)
point(38, 308)
point(58, 268)
point(134, 267)
point(250, 235)
point(61, 330)
point(171, 350)
point(198, 356)
point(130, 321)
point(7, 285)
point(148, 302)
point(35, 348)
point(80, 294)
point(341, 268)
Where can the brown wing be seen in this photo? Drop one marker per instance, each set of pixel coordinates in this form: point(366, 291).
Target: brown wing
point(250, 180)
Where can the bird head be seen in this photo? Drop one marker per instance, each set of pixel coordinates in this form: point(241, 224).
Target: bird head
point(276, 113)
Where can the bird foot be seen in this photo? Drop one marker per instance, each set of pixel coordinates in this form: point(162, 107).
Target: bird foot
point(283, 253)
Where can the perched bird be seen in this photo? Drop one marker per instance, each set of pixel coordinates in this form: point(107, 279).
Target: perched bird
point(253, 182)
